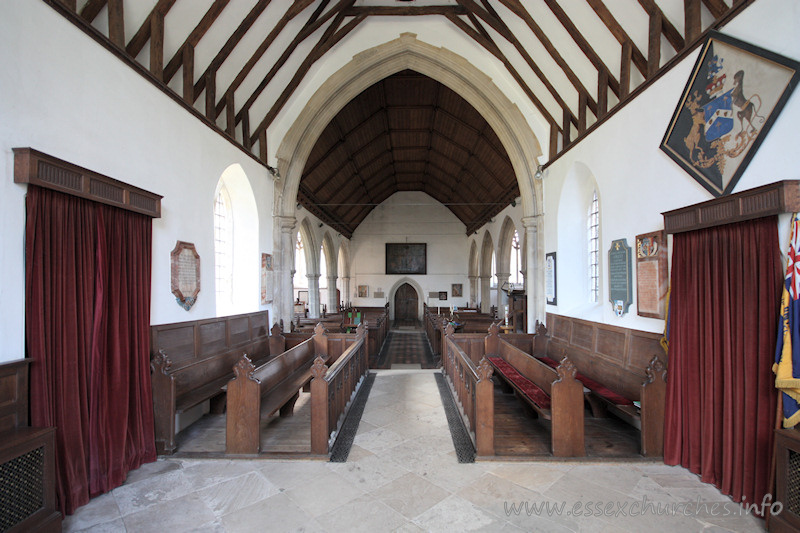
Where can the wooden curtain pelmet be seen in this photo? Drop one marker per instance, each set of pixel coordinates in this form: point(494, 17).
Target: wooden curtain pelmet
point(37, 168)
point(767, 200)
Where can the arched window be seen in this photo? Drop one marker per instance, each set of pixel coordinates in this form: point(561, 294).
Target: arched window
point(593, 241)
point(323, 269)
point(493, 281)
point(516, 260)
point(223, 246)
point(300, 279)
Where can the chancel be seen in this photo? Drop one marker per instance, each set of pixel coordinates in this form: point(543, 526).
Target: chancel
point(399, 265)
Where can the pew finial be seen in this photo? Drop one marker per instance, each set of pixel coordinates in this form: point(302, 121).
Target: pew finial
point(566, 369)
point(494, 328)
point(655, 370)
point(244, 368)
point(449, 329)
point(485, 370)
point(161, 362)
point(319, 368)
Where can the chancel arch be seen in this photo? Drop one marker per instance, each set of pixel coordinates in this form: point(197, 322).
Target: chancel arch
point(440, 64)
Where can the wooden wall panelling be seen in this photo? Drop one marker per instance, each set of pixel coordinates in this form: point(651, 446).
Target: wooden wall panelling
point(14, 394)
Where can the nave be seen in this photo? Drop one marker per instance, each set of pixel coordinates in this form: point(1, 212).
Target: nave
point(402, 474)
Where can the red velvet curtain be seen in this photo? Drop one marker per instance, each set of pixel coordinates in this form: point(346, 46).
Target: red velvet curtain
point(87, 322)
point(721, 399)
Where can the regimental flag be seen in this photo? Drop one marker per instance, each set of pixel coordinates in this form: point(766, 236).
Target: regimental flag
point(787, 353)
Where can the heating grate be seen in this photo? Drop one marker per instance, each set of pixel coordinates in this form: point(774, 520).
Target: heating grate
point(792, 502)
point(21, 488)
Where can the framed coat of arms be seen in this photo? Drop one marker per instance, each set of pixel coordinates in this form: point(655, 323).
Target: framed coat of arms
point(733, 96)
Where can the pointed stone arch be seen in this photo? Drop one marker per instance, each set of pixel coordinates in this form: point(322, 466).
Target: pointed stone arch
point(487, 251)
point(473, 271)
point(375, 64)
point(393, 291)
point(311, 255)
point(331, 267)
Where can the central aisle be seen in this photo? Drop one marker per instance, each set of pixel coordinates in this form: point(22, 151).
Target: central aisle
point(402, 475)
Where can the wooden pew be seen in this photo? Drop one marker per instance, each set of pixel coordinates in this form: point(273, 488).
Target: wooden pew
point(471, 385)
point(333, 389)
point(274, 385)
point(619, 367)
point(554, 394)
point(191, 362)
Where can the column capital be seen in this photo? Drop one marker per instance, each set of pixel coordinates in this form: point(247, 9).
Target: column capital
point(532, 222)
point(286, 224)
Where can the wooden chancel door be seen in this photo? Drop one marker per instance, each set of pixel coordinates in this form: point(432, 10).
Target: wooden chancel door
point(405, 303)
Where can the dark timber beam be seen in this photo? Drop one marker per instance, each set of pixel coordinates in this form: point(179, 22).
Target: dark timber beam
point(157, 46)
point(292, 12)
point(495, 51)
point(188, 74)
point(619, 33)
point(692, 23)
point(230, 44)
point(582, 43)
point(400, 11)
point(307, 30)
point(116, 23)
point(673, 35)
point(140, 38)
point(326, 43)
point(92, 8)
point(197, 33)
point(654, 43)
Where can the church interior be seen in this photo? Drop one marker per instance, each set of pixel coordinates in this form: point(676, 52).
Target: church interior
point(399, 265)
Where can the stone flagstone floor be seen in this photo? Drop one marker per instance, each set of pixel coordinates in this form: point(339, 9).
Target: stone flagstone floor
point(402, 475)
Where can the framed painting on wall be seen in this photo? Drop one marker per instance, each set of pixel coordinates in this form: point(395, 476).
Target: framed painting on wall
point(456, 289)
point(363, 291)
point(733, 96)
point(406, 258)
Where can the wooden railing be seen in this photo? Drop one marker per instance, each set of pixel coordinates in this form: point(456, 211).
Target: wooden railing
point(333, 390)
point(472, 388)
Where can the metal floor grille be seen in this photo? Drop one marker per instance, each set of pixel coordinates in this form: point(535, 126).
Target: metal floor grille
point(341, 448)
point(461, 441)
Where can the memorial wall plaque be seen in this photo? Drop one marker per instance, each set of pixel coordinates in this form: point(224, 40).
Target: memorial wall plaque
point(619, 276)
point(550, 280)
point(267, 279)
point(651, 274)
point(185, 274)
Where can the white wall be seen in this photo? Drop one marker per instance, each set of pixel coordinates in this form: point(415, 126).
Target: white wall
point(65, 95)
point(412, 217)
point(637, 181)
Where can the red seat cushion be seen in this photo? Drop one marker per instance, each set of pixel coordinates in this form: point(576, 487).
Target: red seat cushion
point(592, 385)
point(526, 386)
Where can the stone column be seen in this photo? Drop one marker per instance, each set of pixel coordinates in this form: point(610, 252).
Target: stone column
point(346, 290)
point(486, 294)
point(534, 271)
point(473, 290)
point(313, 295)
point(283, 263)
point(502, 296)
point(333, 301)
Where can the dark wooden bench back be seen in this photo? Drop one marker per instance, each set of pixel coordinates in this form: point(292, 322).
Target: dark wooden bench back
point(613, 356)
point(192, 360)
